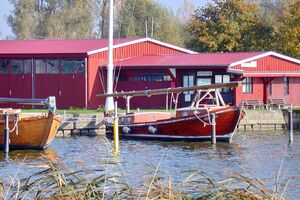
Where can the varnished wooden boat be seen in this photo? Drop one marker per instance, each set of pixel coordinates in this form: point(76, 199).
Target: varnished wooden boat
point(34, 132)
point(191, 123)
point(195, 127)
point(29, 131)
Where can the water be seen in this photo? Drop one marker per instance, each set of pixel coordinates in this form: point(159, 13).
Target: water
point(260, 154)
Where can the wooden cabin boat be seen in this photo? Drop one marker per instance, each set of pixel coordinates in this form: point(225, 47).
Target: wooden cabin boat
point(191, 123)
point(29, 131)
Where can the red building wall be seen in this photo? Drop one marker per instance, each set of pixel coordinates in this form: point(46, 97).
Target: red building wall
point(271, 64)
point(294, 90)
point(100, 59)
point(258, 89)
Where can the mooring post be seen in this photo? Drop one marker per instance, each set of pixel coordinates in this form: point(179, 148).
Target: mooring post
point(116, 129)
point(6, 135)
point(213, 129)
point(128, 104)
point(291, 132)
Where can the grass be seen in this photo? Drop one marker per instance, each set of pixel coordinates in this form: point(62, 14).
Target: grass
point(67, 111)
point(87, 111)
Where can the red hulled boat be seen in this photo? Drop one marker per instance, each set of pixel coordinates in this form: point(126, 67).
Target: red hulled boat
point(192, 123)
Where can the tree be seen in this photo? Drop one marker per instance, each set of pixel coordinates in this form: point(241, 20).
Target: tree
point(185, 11)
point(22, 19)
point(51, 19)
point(229, 25)
point(289, 31)
point(140, 18)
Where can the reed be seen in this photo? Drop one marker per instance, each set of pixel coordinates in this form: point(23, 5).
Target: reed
point(58, 182)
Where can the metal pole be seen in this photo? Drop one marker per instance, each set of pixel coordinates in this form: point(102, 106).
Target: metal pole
point(213, 129)
point(116, 129)
point(128, 104)
point(109, 104)
point(6, 135)
point(291, 132)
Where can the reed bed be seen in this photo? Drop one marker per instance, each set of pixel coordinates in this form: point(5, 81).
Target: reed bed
point(58, 182)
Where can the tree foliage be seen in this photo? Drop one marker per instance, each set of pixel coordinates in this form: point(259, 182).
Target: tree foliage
point(51, 19)
point(229, 25)
point(289, 31)
point(220, 26)
point(140, 18)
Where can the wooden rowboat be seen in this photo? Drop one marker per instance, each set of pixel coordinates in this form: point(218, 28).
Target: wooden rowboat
point(28, 131)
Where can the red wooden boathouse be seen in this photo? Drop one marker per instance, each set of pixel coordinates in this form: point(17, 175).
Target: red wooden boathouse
point(67, 69)
point(74, 71)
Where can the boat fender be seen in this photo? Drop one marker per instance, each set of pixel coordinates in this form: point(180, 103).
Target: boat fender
point(152, 129)
point(126, 129)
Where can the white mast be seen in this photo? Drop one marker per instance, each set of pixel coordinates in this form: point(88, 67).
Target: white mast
point(109, 104)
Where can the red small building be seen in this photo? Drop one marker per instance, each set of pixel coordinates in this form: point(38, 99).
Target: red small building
point(74, 71)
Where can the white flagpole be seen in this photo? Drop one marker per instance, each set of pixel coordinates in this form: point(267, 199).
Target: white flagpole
point(109, 104)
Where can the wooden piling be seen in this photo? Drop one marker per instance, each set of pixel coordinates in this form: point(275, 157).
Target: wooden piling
point(213, 129)
point(291, 132)
point(6, 135)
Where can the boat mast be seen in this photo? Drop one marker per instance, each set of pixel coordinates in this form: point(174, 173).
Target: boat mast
point(109, 103)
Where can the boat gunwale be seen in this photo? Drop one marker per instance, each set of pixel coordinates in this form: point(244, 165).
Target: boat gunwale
point(178, 119)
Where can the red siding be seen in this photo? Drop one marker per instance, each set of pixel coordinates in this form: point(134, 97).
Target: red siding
point(278, 90)
point(72, 87)
point(258, 90)
point(271, 64)
point(156, 101)
point(100, 59)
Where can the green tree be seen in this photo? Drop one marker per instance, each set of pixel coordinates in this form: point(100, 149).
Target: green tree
point(289, 31)
point(229, 25)
point(51, 19)
point(140, 18)
point(22, 18)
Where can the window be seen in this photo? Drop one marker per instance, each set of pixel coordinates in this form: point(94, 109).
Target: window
point(4, 67)
point(248, 85)
point(40, 66)
point(203, 81)
point(52, 66)
point(67, 66)
point(188, 80)
point(27, 66)
point(79, 66)
point(270, 88)
point(286, 85)
point(17, 67)
point(223, 79)
point(155, 78)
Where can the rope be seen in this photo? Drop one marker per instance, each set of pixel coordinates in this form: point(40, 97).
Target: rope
point(101, 79)
point(15, 126)
point(208, 116)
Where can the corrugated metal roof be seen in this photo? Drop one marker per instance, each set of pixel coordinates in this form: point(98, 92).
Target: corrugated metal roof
point(56, 46)
point(202, 59)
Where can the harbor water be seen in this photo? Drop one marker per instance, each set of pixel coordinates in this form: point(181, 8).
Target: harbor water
point(259, 155)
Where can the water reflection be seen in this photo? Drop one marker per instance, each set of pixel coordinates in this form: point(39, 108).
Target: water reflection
point(31, 155)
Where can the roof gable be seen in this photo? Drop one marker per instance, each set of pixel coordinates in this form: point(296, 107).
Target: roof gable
point(265, 54)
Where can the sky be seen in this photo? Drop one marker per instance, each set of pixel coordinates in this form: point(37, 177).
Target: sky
point(5, 8)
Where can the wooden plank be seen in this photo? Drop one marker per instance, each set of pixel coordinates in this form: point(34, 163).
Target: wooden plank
point(170, 90)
